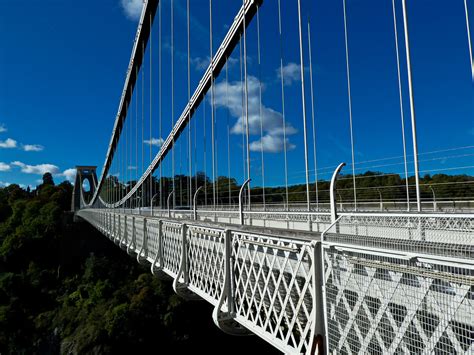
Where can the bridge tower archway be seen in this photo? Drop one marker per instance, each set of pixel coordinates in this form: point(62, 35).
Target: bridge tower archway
point(83, 173)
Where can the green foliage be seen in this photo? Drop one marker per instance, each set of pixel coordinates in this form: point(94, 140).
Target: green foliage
point(64, 288)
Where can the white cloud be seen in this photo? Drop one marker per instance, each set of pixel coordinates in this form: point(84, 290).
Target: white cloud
point(69, 174)
point(291, 73)
point(9, 143)
point(4, 184)
point(39, 169)
point(270, 122)
point(154, 141)
point(271, 144)
point(2, 128)
point(32, 148)
point(200, 63)
point(4, 167)
point(132, 8)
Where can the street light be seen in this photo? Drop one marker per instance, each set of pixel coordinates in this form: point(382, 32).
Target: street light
point(241, 206)
point(381, 200)
point(194, 202)
point(168, 203)
point(152, 202)
point(434, 198)
point(138, 204)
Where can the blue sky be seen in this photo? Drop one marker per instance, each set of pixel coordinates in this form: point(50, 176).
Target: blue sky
point(63, 64)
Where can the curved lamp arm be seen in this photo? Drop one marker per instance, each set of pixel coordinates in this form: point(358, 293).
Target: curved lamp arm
point(168, 203)
point(241, 206)
point(333, 191)
point(194, 202)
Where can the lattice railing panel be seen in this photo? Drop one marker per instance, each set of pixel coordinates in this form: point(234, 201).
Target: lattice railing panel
point(172, 242)
point(205, 258)
point(379, 304)
point(153, 230)
point(274, 288)
point(139, 234)
point(447, 236)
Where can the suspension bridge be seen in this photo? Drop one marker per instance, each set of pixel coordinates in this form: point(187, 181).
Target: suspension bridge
point(213, 177)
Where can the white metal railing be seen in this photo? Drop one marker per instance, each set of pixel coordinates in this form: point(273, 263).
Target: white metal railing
point(257, 282)
point(398, 284)
point(370, 283)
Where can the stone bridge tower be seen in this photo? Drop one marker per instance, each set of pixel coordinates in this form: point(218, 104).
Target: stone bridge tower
point(83, 173)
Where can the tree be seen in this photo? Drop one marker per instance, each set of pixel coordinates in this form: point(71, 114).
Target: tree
point(48, 179)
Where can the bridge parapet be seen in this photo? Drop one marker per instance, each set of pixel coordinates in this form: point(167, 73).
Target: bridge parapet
point(257, 282)
point(399, 284)
point(371, 284)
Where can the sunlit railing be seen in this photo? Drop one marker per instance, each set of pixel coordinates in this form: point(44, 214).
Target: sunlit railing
point(390, 283)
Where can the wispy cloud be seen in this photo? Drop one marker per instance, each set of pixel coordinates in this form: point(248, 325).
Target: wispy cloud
point(130, 167)
point(2, 128)
point(157, 142)
point(201, 63)
point(4, 166)
point(32, 148)
point(260, 117)
point(132, 8)
point(39, 169)
point(271, 144)
point(291, 73)
point(9, 143)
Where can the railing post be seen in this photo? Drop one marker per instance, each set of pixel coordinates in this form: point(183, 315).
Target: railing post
point(195, 202)
point(224, 320)
point(241, 206)
point(333, 192)
point(132, 245)
point(181, 287)
point(144, 247)
point(318, 331)
point(159, 253)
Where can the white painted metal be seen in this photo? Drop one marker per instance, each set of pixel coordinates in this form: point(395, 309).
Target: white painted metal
point(392, 283)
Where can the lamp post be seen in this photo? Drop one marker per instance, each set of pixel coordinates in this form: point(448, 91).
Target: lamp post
point(152, 199)
point(332, 191)
point(380, 198)
point(435, 207)
point(138, 204)
point(195, 202)
point(241, 206)
point(168, 203)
